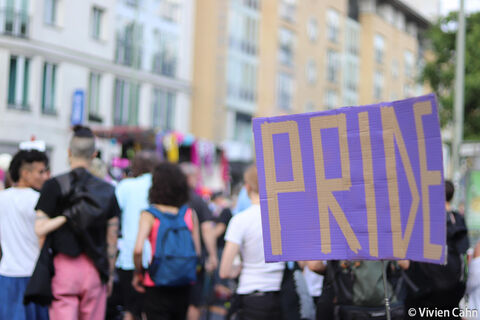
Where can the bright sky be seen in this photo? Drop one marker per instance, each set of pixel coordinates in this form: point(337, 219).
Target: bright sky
point(453, 5)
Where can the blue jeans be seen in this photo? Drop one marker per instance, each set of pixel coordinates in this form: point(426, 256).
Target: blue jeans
point(12, 290)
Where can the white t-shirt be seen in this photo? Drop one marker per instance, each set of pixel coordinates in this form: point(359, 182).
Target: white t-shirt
point(245, 229)
point(314, 282)
point(18, 240)
point(473, 284)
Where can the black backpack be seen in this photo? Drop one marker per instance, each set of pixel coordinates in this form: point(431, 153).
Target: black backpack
point(358, 289)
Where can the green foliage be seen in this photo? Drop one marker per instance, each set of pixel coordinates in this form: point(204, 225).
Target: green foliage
point(440, 72)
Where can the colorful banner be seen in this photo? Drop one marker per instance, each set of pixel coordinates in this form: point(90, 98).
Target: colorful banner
point(353, 183)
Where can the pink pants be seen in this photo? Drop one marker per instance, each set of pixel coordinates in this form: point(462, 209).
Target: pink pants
point(77, 290)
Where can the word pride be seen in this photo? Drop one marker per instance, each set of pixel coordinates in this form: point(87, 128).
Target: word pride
point(353, 183)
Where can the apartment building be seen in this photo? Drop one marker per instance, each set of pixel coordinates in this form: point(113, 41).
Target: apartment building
point(117, 65)
point(265, 58)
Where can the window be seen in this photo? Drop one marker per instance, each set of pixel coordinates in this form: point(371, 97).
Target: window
point(133, 3)
point(96, 27)
point(311, 71)
point(408, 56)
point(170, 10)
point(48, 88)
point(94, 97)
point(165, 60)
point(243, 128)
point(333, 25)
point(14, 20)
point(332, 65)
point(331, 99)
point(286, 43)
point(312, 29)
point(378, 85)
point(395, 69)
point(128, 50)
point(125, 109)
point(379, 45)
point(50, 13)
point(18, 82)
point(284, 91)
point(352, 38)
point(163, 109)
point(241, 80)
point(243, 32)
point(287, 10)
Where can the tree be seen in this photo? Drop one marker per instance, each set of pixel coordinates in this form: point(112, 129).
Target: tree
point(439, 72)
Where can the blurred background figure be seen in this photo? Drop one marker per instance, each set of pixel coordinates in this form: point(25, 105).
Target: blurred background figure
point(18, 242)
point(208, 259)
point(132, 197)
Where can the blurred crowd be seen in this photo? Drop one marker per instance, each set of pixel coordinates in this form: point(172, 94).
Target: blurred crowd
point(83, 245)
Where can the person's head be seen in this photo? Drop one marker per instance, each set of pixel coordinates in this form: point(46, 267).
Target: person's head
point(191, 171)
point(144, 162)
point(169, 185)
point(29, 168)
point(82, 145)
point(250, 177)
point(449, 190)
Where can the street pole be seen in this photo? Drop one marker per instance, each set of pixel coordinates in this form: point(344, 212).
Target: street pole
point(459, 95)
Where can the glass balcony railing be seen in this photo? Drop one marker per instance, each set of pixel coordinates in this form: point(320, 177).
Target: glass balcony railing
point(13, 22)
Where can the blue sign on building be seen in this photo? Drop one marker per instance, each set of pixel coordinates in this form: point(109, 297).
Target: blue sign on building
point(78, 107)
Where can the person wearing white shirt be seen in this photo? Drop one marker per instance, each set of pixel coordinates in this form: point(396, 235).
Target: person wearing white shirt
point(18, 241)
point(259, 282)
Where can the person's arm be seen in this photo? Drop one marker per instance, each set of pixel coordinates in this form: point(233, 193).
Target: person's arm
point(44, 225)
point(219, 229)
point(226, 264)
point(208, 236)
point(144, 228)
point(404, 264)
point(317, 266)
point(112, 236)
point(196, 234)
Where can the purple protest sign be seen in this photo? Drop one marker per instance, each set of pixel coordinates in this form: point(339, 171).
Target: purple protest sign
point(353, 183)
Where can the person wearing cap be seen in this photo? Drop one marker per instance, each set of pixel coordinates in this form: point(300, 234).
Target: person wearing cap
point(84, 257)
point(18, 242)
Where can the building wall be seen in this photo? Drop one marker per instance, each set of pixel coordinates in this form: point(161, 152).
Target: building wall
point(69, 45)
point(396, 84)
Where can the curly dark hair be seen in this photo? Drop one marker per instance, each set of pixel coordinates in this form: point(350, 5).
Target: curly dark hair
point(169, 185)
point(25, 157)
point(449, 190)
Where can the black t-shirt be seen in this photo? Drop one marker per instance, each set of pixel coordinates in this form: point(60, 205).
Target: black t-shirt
point(224, 217)
point(200, 206)
point(203, 213)
point(64, 239)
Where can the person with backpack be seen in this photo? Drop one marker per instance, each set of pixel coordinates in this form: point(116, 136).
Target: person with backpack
point(354, 289)
point(441, 286)
point(172, 229)
point(258, 292)
point(78, 214)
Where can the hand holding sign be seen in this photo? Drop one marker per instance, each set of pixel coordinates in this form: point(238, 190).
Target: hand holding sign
point(353, 183)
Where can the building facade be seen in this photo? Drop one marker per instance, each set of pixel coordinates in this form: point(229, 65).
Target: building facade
point(266, 58)
point(125, 63)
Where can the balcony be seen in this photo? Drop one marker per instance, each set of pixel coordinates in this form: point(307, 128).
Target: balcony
point(164, 64)
point(127, 53)
point(14, 23)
